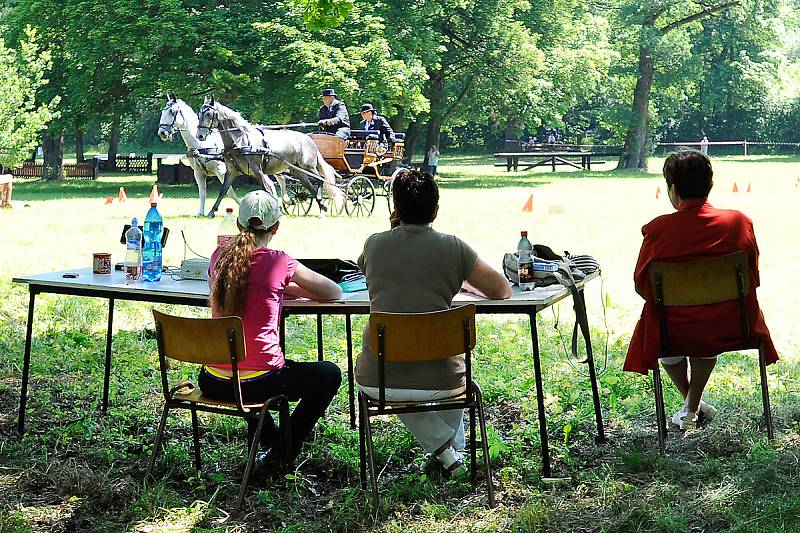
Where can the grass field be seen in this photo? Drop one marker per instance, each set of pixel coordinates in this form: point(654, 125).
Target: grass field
point(78, 471)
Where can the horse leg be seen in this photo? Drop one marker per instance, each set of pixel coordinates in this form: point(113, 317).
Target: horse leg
point(255, 170)
point(220, 171)
point(223, 190)
point(201, 190)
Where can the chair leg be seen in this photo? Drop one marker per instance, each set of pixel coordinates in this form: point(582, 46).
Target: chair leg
point(251, 457)
point(762, 363)
point(487, 465)
point(362, 447)
point(661, 421)
point(157, 445)
point(370, 456)
point(196, 438)
point(285, 421)
point(473, 452)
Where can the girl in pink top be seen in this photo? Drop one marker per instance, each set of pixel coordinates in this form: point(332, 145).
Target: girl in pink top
point(248, 279)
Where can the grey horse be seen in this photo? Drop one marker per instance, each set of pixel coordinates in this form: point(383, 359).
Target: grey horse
point(261, 153)
point(205, 157)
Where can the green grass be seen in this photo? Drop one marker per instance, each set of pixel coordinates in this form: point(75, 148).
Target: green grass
point(76, 470)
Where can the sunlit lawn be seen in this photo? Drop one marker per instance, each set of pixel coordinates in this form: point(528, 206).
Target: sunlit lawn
point(622, 486)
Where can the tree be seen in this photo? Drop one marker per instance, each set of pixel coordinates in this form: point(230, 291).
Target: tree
point(22, 116)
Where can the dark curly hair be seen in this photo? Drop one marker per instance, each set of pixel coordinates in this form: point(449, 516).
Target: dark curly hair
point(416, 196)
point(691, 173)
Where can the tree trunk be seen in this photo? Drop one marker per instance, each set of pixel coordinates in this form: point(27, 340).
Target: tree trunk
point(78, 145)
point(634, 153)
point(412, 136)
point(53, 153)
point(113, 144)
point(436, 97)
point(511, 144)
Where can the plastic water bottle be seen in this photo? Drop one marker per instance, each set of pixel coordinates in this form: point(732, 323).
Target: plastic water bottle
point(133, 253)
point(525, 262)
point(151, 255)
point(228, 229)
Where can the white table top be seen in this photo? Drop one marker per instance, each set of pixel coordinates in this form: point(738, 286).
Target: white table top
point(114, 285)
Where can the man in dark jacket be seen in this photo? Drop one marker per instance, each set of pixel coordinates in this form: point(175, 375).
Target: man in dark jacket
point(333, 116)
point(370, 120)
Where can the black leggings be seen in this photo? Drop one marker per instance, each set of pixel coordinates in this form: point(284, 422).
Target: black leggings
point(312, 384)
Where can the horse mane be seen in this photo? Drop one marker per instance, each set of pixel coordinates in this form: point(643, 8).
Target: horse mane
point(228, 114)
point(188, 113)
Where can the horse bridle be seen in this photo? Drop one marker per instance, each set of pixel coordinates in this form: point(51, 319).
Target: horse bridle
point(172, 129)
point(214, 118)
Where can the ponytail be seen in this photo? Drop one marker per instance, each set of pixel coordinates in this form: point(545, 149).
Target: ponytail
point(232, 270)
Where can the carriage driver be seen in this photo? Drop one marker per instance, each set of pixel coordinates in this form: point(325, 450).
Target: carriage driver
point(333, 116)
point(371, 120)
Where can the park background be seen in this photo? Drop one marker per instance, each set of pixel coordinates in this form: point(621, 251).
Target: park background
point(463, 75)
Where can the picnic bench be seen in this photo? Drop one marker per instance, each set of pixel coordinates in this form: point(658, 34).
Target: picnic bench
point(528, 160)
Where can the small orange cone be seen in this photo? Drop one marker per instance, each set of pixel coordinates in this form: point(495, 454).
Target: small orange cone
point(154, 196)
point(122, 194)
point(528, 207)
point(109, 200)
point(748, 186)
point(658, 192)
point(735, 188)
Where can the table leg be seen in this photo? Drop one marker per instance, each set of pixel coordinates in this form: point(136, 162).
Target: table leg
point(320, 355)
point(109, 337)
point(537, 368)
point(26, 365)
point(598, 412)
point(351, 391)
point(282, 333)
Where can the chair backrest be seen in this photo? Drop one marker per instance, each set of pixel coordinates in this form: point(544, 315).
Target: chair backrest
point(701, 282)
point(410, 337)
point(205, 341)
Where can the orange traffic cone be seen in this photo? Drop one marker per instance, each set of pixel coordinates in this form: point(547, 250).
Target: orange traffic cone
point(154, 196)
point(528, 207)
point(109, 200)
point(122, 194)
point(735, 188)
point(748, 186)
point(658, 192)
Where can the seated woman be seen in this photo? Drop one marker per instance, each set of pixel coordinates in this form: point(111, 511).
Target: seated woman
point(414, 269)
point(249, 279)
point(696, 231)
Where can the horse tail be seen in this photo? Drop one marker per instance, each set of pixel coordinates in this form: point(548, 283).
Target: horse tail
point(329, 175)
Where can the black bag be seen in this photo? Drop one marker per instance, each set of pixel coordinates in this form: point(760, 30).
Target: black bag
point(336, 270)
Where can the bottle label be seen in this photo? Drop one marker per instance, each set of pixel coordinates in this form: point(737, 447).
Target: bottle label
point(525, 272)
point(133, 272)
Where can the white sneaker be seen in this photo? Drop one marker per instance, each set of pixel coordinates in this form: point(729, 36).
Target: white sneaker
point(707, 412)
point(685, 420)
point(451, 460)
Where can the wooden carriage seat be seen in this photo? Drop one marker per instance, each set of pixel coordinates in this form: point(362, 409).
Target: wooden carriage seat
point(332, 149)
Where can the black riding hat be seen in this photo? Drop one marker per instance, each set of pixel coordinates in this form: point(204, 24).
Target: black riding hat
point(328, 92)
point(368, 107)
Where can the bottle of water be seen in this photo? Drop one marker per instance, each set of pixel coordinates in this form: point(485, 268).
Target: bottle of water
point(133, 253)
point(151, 255)
point(228, 229)
point(525, 262)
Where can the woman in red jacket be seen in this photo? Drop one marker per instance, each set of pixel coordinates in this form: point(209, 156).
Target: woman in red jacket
point(696, 231)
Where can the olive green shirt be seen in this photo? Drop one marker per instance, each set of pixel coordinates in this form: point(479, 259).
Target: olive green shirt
point(413, 269)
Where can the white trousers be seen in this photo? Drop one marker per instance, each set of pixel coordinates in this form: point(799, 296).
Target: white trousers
point(431, 429)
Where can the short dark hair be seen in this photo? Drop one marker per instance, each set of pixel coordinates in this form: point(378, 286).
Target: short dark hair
point(416, 196)
point(691, 173)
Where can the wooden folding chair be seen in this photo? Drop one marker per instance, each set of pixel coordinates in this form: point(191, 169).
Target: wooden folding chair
point(420, 337)
point(212, 341)
point(707, 281)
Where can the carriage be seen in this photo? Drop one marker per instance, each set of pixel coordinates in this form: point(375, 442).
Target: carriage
point(365, 167)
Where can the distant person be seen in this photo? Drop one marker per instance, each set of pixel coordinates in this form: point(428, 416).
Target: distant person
point(333, 116)
point(433, 160)
point(249, 279)
point(704, 145)
point(551, 137)
point(412, 268)
point(6, 185)
point(370, 120)
point(700, 333)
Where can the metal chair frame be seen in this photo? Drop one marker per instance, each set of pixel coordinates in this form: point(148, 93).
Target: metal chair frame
point(737, 266)
point(471, 399)
point(186, 396)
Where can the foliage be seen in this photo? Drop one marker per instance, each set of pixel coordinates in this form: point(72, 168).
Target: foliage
point(23, 72)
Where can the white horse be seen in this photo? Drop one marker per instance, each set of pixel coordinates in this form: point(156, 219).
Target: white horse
point(260, 152)
point(205, 157)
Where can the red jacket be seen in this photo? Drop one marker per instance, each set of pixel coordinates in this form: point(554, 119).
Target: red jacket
point(696, 231)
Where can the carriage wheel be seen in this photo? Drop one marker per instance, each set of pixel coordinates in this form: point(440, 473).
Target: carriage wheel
point(360, 197)
point(387, 190)
point(300, 199)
